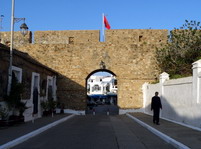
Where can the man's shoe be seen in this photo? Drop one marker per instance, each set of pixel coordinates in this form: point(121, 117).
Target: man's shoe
point(157, 123)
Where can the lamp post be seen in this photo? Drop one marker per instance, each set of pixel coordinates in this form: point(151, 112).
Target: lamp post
point(24, 31)
point(1, 19)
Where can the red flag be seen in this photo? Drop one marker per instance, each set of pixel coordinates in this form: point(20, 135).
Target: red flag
point(107, 25)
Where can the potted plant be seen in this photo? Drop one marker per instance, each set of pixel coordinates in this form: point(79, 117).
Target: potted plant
point(62, 108)
point(52, 106)
point(44, 105)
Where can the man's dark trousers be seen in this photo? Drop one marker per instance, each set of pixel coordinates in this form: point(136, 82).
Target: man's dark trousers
point(156, 115)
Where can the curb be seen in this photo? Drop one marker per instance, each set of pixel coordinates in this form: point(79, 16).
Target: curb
point(160, 134)
point(33, 133)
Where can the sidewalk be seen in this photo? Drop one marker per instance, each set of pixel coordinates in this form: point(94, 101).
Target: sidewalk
point(10, 133)
point(184, 135)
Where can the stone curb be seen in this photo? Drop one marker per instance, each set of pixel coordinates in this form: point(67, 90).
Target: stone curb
point(33, 133)
point(160, 134)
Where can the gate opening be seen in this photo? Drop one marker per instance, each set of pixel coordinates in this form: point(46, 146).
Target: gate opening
point(101, 90)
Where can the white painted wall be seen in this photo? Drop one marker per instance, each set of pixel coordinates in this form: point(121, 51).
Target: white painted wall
point(177, 98)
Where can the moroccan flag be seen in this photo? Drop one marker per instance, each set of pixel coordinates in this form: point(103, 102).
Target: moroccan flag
point(107, 25)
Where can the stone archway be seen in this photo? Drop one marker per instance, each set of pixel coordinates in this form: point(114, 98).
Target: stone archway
point(101, 92)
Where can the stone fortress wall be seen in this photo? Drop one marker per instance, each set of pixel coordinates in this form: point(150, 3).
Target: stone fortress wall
point(134, 36)
point(18, 39)
point(128, 53)
point(66, 37)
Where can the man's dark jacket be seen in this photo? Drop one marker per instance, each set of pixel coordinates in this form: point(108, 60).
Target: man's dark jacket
point(156, 103)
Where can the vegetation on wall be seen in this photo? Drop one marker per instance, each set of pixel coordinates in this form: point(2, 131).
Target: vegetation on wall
point(13, 101)
point(182, 49)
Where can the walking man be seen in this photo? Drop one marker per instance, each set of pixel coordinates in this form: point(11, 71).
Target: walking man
point(156, 106)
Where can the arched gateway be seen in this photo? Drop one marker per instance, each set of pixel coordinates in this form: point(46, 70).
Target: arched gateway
point(129, 54)
point(101, 91)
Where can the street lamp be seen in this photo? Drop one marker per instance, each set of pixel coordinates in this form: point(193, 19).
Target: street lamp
point(24, 31)
point(1, 19)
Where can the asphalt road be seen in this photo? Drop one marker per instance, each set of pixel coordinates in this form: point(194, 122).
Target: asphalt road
point(103, 109)
point(96, 132)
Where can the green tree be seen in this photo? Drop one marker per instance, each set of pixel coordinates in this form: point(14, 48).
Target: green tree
point(183, 48)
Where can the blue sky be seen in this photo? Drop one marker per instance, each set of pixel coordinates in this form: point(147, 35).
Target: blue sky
point(102, 73)
point(87, 14)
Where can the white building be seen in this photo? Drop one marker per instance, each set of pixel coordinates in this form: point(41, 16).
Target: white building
point(102, 87)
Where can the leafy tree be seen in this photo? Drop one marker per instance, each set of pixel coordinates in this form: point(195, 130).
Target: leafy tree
point(183, 48)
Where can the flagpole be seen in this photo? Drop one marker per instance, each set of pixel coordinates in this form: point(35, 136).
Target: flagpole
point(103, 29)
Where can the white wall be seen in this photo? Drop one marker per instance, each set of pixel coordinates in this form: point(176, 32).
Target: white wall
point(149, 91)
point(177, 98)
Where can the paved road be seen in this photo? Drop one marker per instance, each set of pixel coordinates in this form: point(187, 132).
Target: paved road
point(96, 132)
point(103, 109)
